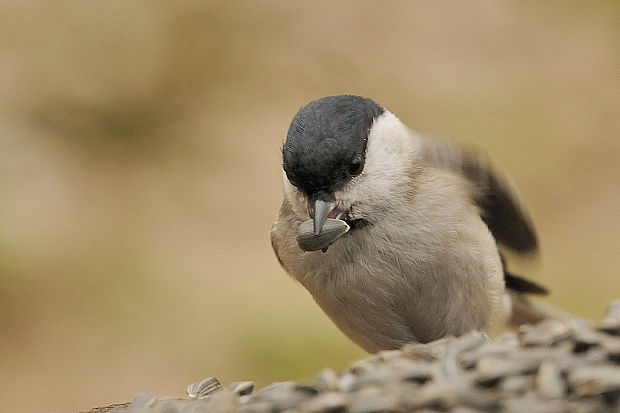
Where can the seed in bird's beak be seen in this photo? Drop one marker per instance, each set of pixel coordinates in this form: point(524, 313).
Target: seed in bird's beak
point(332, 230)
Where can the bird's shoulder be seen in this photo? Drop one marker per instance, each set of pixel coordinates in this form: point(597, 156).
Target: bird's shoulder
point(500, 206)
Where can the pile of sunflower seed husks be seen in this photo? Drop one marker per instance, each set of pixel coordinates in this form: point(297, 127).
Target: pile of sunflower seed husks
point(571, 366)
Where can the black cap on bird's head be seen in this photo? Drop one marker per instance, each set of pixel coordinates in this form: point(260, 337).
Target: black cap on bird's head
point(326, 146)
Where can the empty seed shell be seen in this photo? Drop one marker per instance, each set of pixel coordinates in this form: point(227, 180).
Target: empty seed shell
point(327, 380)
point(549, 380)
point(241, 388)
point(545, 333)
point(329, 401)
point(594, 380)
point(144, 400)
point(611, 321)
point(285, 395)
point(332, 230)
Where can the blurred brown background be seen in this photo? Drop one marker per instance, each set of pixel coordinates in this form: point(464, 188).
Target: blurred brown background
point(139, 171)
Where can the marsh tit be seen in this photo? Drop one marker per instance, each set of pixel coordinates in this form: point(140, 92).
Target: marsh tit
point(419, 256)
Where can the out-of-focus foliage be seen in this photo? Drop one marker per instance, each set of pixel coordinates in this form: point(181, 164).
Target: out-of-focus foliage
point(139, 171)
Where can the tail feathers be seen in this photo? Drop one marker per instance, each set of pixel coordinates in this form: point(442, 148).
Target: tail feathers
point(523, 285)
point(526, 311)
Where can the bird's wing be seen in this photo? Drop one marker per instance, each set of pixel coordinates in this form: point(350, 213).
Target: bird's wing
point(497, 199)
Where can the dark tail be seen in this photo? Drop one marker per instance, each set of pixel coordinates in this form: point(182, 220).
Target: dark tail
point(524, 310)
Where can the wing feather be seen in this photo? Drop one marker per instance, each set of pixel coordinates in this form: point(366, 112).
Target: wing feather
point(498, 200)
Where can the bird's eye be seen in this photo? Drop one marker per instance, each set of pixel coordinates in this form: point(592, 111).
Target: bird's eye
point(356, 165)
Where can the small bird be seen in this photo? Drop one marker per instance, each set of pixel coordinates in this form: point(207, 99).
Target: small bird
point(419, 258)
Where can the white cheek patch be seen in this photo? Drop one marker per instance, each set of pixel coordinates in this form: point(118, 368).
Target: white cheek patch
point(389, 155)
point(389, 144)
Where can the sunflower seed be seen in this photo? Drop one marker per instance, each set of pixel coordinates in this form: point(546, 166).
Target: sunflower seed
point(331, 231)
point(203, 388)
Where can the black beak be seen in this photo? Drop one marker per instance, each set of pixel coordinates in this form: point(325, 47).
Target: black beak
point(321, 210)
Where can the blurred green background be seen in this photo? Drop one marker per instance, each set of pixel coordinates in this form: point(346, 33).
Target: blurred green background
point(140, 171)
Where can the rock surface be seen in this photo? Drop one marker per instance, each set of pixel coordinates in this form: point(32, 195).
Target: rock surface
point(554, 366)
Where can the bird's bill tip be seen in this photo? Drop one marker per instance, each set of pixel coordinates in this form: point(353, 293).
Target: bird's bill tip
point(321, 211)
